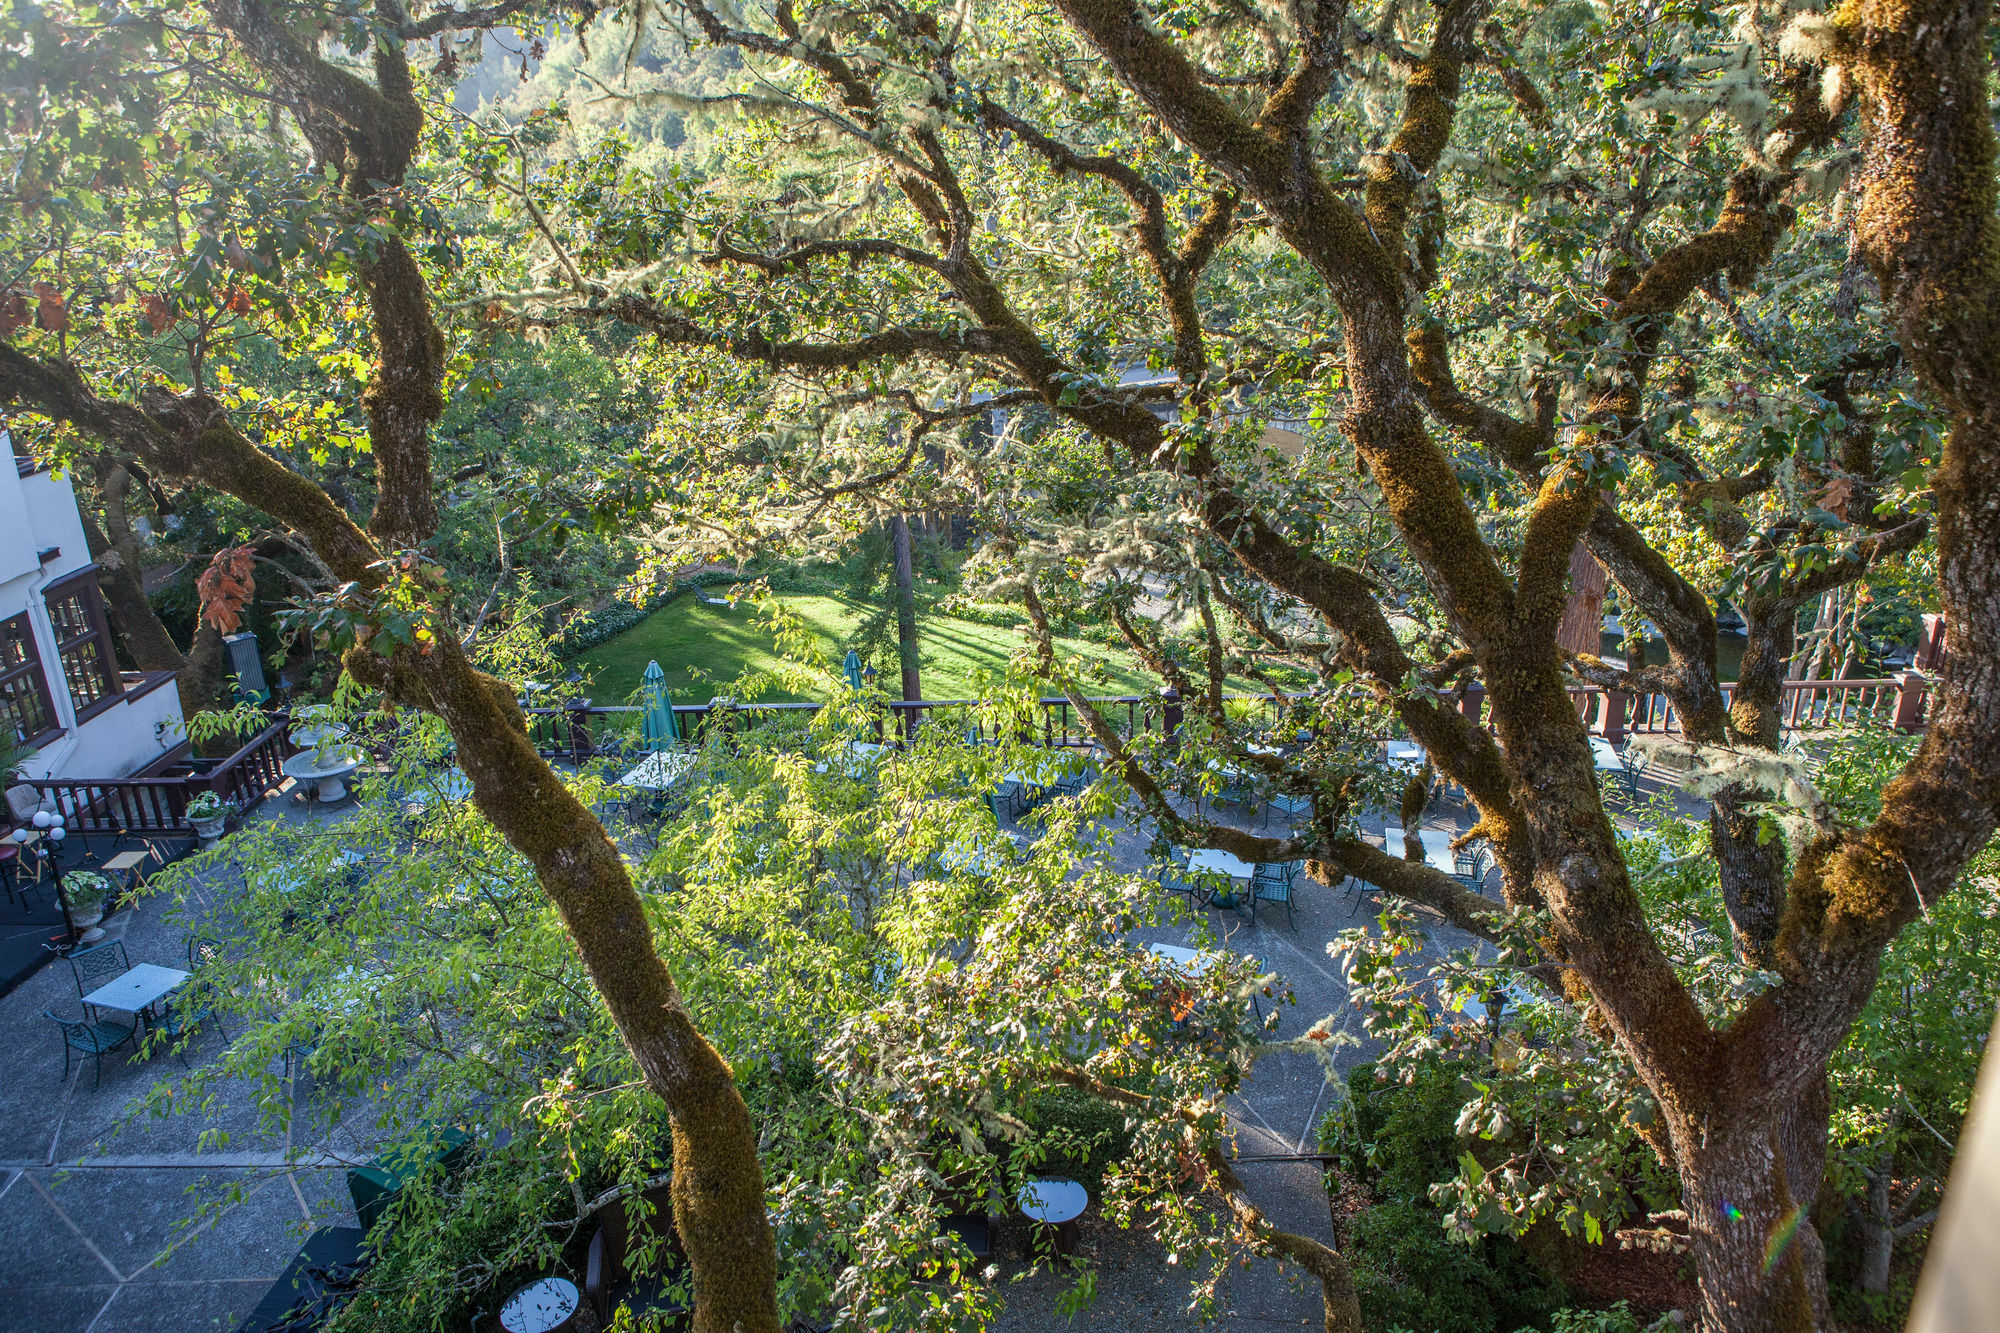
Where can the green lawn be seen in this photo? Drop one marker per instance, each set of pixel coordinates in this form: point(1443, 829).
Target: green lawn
point(723, 642)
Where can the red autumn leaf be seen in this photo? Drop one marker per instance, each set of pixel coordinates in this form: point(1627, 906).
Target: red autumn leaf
point(49, 311)
point(239, 301)
point(225, 588)
point(1835, 496)
point(158, 311)
point(13, 313)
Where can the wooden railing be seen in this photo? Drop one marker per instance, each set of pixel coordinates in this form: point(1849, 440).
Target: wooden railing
point(144, 807)
point(157, 806)
point(253, 772)
point(1803, 706)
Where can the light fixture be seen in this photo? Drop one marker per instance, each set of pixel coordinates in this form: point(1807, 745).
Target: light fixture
point(21, 835)
point(58, 833)
point(43, 819)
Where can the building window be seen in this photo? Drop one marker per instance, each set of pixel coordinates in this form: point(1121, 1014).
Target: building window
point(24, 691)
point(83, 641)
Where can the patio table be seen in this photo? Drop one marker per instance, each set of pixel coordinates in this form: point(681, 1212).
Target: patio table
point(137, 991)
point(1436, 843)
point(1192, 962)
point(451, 785)
point(1406, 755)
point(1221, 863)
point(1056, 1202)
point(661, 770)
point(972, 860)
point(858, 755)
point(293, 876)
point(1225, 864)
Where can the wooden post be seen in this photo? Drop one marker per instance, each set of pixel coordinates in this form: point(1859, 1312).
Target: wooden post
point(1615, 703)
point(1930, 644)
point(1474, 702)
point(580, 745)
point(1910, 687)
point(1170, 710)
point(1582, 624)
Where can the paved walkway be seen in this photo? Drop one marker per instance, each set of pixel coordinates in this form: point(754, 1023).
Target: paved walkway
point(109, 1226)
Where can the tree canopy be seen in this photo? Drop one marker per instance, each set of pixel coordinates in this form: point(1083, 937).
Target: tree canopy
point(1344, 331)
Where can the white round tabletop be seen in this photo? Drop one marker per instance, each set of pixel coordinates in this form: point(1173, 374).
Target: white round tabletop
point(1053, 1200)
point(540, 1307)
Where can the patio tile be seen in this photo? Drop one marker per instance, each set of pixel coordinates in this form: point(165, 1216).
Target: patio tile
point(52, 1309)
point(38, 1248)
point(254, 1239)
point(325, 1191)
point(93, 1125)
point(32, 1096)
point(185, 1307)
point(132, 1214)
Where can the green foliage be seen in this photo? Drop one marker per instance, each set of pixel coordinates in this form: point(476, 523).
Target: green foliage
point(913, 1038)
point(1401, 1139)
point(1083, 1136)
point(12, 754)
point(1408, 1273)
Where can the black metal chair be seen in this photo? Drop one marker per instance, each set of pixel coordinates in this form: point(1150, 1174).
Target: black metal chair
point(98, 964)
point(191, 1006)
point(91, 1038)
point(609, 1283)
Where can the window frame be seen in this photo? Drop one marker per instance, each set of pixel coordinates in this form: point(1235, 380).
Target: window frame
point(33, 670)
point(84, 583)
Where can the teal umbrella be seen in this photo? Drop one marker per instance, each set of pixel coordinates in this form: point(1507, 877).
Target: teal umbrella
point(658, 720)
point(852, 668)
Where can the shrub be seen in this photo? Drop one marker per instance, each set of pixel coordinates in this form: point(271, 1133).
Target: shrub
point(1083, 1135)
point(1408, 1272)
point(1400, 1139)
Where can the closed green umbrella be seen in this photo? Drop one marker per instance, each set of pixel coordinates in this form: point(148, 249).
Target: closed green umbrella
point(852, 668)
point(657, 721)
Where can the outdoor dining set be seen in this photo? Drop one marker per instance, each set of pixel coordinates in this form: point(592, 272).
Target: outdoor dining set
point(148, 997)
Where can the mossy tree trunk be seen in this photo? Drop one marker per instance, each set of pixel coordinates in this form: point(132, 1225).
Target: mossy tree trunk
point(371, 131)
point(1744, 1106)
point(120, 577)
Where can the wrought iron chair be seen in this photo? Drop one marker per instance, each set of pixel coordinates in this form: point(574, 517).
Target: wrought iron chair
point(191, 1007)
point(1288, 805)
point(98, 964)
point(1011, 798)
point(1173, 872)
point(1271, 882)
point(93, 1039)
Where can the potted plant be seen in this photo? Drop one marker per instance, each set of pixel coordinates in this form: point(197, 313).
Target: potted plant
point(88, 892)
point(208, 813)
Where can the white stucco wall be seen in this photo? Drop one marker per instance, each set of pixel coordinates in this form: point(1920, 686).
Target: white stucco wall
point(37, 513)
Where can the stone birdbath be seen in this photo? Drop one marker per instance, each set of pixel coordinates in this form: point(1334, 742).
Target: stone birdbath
point(326, 765)
point(313, 735)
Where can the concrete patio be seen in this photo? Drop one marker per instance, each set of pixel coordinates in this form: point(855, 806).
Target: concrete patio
point(108, 1226)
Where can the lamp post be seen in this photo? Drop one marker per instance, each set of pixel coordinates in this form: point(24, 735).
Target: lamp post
point(49, 848)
